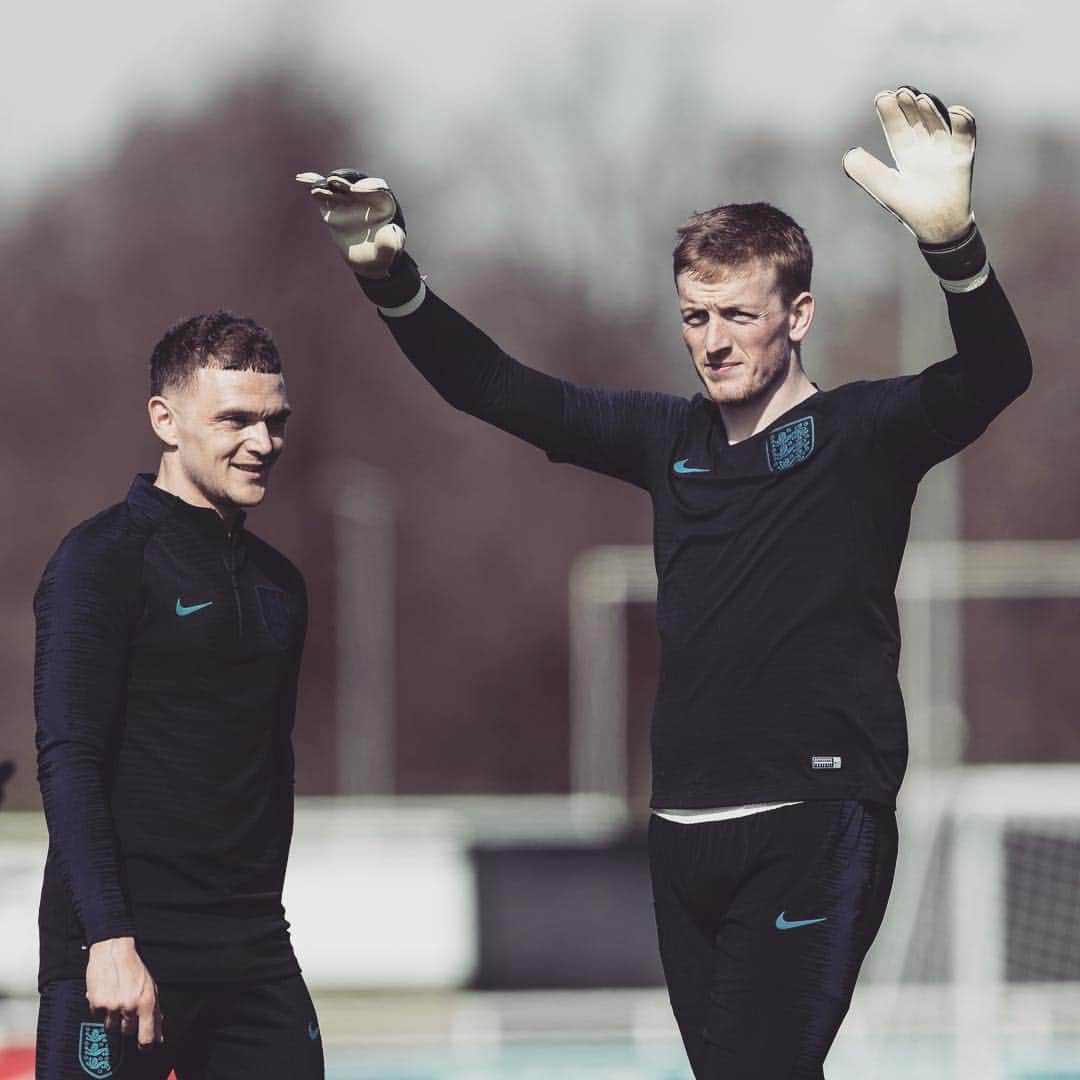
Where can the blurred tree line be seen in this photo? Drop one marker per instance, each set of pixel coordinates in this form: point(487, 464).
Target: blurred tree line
point(558, 245)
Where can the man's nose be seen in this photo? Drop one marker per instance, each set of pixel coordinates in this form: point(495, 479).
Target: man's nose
point(717, 338)
point(259, 438)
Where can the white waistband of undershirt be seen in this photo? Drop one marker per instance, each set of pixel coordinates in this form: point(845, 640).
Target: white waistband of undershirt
point(720, 813)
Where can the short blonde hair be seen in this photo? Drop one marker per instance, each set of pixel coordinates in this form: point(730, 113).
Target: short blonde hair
point(738, 233)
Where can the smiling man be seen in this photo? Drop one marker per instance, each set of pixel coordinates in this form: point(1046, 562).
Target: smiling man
point(780, 516)
point(168, 650)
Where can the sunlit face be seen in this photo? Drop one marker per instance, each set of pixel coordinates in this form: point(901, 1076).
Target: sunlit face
point(226, 432)
point(740, 330)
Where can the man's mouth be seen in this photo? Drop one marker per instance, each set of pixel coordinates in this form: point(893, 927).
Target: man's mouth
point(255, 469)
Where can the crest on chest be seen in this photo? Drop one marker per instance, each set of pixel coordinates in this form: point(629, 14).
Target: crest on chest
point(790, 444)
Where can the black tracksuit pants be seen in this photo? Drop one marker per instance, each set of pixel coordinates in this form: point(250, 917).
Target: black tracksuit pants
point(763, 924)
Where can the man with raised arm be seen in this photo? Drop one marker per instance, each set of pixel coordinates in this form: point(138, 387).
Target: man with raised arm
point(168, 651)
point(781, 512)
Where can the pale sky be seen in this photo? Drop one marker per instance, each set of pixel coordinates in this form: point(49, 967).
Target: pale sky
point(74, 75)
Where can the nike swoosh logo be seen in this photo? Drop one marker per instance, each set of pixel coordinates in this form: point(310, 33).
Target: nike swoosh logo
point(312, 1031)
point(682, 468)
point(181, 610)
point(783, 924)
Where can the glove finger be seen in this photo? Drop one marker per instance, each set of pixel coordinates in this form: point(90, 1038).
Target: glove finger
point(939, 107)
point(310, 178)
point(908, 104)
point(963, 124)
point(872, 175)
point(925, 100)
point(338, 183)
point(389, 240)
point(373, 255)
point(894, 124)
point(352, 175)
point(370, 183)
point(933, 119)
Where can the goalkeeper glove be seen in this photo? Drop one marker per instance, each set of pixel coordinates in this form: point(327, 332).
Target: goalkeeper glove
point(929, 191)
point(368, 227)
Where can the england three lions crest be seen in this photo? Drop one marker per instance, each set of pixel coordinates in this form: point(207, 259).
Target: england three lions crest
point(791, 444)
point(94, 1054)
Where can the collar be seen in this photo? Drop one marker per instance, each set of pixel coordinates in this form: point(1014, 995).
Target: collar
point(154, 505)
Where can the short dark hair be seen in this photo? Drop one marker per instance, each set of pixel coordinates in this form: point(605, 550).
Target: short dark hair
point(220, 340)
point(738, 233)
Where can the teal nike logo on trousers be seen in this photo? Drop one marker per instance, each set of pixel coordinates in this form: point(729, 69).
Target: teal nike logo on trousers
point(783, 924)
point(181, 610)
point(312, 1030)
point(683, 468)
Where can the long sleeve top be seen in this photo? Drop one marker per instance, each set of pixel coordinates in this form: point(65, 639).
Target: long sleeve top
point(776, 557)
point(167, 656)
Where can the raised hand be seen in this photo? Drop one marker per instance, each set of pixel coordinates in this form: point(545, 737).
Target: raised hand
point(933, 147)
point(363, 216)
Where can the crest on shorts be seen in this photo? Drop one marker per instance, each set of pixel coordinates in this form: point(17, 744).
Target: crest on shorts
point(94, 1050)
point(274, 606)
point(791, 444)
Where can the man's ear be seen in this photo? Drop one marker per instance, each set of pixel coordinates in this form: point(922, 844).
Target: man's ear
point(800, 316)
point(163, 421)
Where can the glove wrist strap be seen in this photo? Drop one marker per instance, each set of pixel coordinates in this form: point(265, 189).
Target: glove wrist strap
point(960, 264)
point(396, 290)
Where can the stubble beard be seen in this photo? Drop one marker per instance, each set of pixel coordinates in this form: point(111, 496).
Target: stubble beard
point(747, 393)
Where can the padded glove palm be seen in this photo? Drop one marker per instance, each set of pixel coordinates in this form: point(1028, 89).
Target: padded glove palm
point(364, 219)
point(934, 151)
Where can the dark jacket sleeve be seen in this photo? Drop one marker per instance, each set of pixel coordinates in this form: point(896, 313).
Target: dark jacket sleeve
point(83, 612)
point(611, 431)
point(923, 419)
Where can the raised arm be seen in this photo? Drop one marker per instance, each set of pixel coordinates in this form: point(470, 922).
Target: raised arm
point(927, 417)
point(615, 432)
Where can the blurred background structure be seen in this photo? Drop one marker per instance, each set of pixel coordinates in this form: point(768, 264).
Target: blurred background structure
point(472, 730)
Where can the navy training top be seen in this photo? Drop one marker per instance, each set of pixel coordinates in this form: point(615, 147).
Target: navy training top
point(776, 557)
point(167, 656)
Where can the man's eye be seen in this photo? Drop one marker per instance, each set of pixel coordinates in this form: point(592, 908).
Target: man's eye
point(693, 318)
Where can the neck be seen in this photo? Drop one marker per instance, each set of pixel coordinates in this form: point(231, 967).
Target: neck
point(170, 478)
point(744, 419)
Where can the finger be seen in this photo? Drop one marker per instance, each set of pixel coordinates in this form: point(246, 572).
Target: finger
point(894, 124)
point(963, 123)
point(147, 1019)
point(908, 104)
point(337, 182)
point(310, 178)
point(881, 183)
point(872, 175)
point(352, 175)
point(371, 183)
point(389, 240)
point(933, 119)
point(939, 106)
